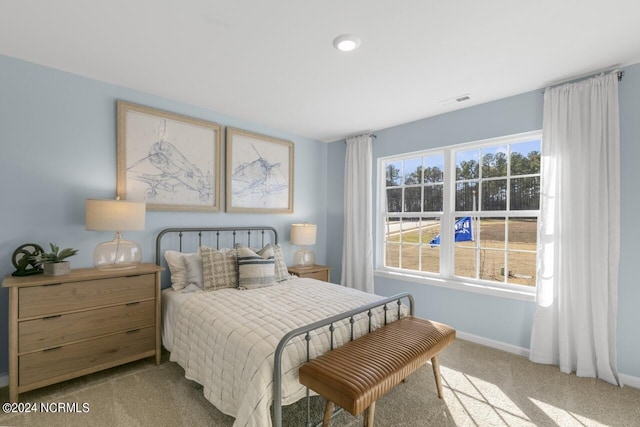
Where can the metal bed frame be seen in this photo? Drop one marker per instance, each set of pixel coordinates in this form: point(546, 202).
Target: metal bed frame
point(270, 235)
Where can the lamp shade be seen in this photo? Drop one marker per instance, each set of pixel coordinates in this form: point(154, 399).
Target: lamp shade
point(114, 215)
point(303, 234)
point(117, 216)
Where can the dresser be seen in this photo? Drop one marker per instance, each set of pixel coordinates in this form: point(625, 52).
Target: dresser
point(67, 326)
point(316, 271)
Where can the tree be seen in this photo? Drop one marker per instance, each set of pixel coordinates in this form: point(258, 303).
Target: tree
point(467, 169)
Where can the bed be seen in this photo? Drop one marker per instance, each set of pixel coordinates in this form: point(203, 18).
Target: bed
point(245, 346)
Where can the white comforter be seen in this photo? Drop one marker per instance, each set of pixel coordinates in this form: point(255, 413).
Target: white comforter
point(226, 339)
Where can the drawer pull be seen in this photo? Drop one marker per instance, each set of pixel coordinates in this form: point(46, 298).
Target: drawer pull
point(133, 331)
point(55, 316)
point(53, 348)
point(133, 303)
point(53, 284)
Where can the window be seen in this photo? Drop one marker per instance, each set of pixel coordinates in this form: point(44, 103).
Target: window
point(485, 196)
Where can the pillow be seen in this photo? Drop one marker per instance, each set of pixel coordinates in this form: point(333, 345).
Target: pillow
point(219, 268)
point(177, 268)
point(281, 270)
point(256, 270)
point(193, 263)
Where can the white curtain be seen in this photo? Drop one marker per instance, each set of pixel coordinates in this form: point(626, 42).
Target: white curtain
point(357, 248)
point(575, 319)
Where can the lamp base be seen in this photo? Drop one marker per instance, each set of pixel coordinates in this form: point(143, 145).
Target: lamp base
point(304, 258)
point(118, 254)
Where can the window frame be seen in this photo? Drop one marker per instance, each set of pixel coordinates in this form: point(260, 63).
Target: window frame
point(446, 276)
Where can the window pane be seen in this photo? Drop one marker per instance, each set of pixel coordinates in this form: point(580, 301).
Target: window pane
point(433, 169)
point(522, 268)
point(392, 255)
point(433, 197)
point(523, 234)
point(412, 199)
point(394, 174)
point(491, 265)
point(465, 262)
point(394, 200)
point(525, 193)
point(494, 195)
point(391, 229)
point(525, 158)
point(465, 195)
point(430, 258)
point(492, 233)
point(410, 254)
point(467, 164)
point(410, 230)
point(494, 161)
point(413, 171)
point(430, 232)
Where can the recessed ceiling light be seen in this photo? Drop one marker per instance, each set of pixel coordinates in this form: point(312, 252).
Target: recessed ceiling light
point(346, 42)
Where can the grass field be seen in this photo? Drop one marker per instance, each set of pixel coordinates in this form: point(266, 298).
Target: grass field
point(488, 251)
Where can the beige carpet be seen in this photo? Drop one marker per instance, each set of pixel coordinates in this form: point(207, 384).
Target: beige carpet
point(482, 387)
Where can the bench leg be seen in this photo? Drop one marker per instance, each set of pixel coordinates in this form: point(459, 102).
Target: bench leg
point(368, 415)
point(328, 411)
point(436, 374)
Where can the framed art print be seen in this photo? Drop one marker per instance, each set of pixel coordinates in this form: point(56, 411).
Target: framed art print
point(169, 161)
point(259, 173)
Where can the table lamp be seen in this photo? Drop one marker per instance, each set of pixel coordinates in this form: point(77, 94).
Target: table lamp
point(118, 216)
point(303, 235)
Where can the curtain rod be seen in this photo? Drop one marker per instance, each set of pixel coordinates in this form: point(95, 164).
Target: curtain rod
point(620, 74)
point(372, 135)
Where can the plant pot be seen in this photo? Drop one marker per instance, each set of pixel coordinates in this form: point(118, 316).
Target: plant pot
point(57, 268)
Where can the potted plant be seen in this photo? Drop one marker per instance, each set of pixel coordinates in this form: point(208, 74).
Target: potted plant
point(53, 262)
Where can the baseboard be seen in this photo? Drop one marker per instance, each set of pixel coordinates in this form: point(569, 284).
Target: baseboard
point(630, 380)
point(4, 380)
point(509, 348)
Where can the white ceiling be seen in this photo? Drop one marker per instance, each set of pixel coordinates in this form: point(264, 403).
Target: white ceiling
point(273, 63)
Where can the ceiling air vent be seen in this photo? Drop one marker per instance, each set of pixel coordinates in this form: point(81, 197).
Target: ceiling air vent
point(455, 99)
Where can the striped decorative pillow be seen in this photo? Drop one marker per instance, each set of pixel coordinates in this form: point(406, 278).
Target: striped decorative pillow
point(256, 270)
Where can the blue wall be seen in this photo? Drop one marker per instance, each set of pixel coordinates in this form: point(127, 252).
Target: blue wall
point(58, 139)
point(491, 317)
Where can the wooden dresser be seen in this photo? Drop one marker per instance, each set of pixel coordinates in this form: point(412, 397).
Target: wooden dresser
point(67, 326)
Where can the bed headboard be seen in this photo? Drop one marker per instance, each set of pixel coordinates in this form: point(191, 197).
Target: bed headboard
point(189, 239)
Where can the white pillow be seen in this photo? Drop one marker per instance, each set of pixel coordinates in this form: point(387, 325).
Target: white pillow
point(193, 263)
point(281, 270)
point(177, 268)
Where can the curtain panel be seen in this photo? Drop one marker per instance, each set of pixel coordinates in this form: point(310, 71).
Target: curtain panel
point(357, 248)
point(575, 319)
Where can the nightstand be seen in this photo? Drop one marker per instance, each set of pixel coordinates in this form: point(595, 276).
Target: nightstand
point(319, 272)
point(63, 327)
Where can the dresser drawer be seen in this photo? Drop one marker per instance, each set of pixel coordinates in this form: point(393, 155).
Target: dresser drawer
point(53, 299)
point(53, 331)
point(318, 275)
point(91, 354)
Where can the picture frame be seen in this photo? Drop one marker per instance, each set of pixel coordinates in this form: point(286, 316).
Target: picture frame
point(170, 161)
point(259, 173)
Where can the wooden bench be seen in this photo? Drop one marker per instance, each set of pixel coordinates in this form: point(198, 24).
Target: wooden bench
point(356, 374)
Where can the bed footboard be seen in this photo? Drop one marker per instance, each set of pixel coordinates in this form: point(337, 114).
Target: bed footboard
point(329, 322)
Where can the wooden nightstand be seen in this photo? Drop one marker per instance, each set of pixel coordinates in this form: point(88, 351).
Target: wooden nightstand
point(319, 272)
point(63, 327)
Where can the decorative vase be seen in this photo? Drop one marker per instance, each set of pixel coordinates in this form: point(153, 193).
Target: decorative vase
point(57, 268)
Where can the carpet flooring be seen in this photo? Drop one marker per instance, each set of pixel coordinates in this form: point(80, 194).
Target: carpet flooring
point(482, 387)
